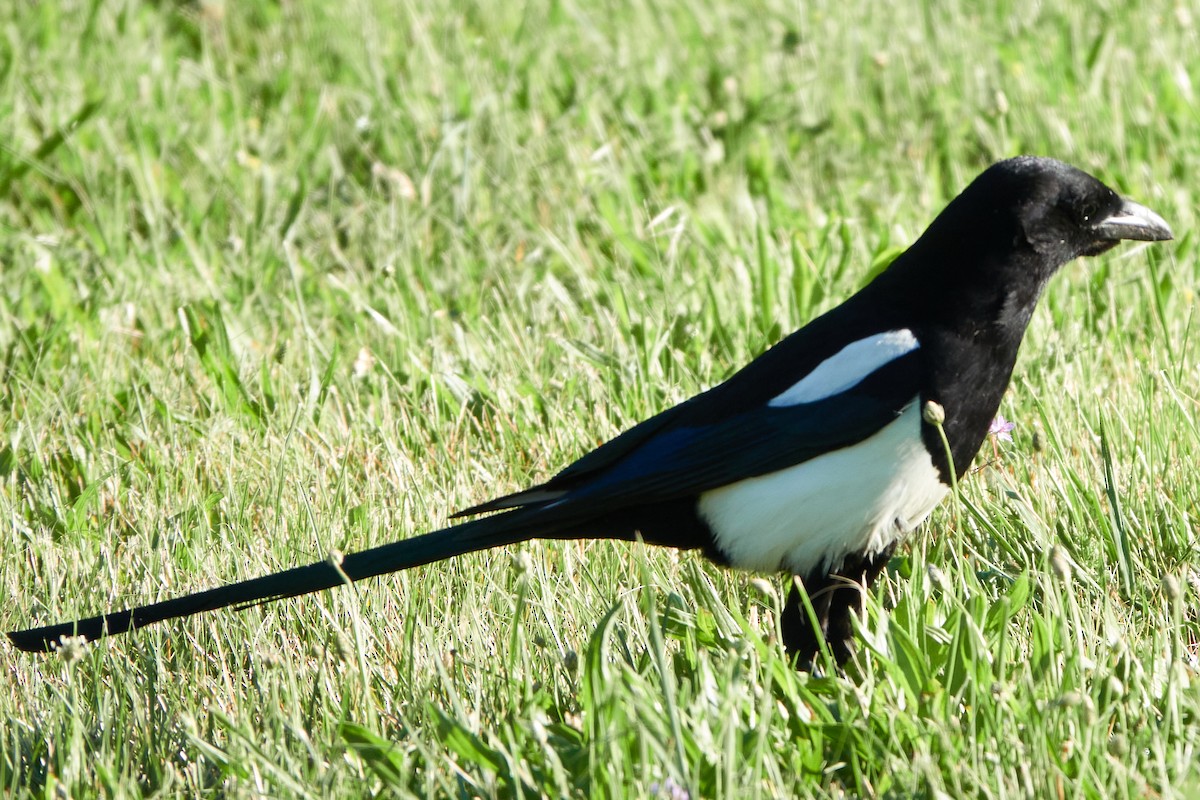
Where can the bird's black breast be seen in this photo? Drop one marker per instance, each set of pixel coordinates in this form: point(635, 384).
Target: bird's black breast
point(966, 373)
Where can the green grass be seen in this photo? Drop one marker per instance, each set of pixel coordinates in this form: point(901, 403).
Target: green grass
point(286, 278)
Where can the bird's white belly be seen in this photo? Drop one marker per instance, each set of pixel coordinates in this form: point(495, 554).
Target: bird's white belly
point(811, 516)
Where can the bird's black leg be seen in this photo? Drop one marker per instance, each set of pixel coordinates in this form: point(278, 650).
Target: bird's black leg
point(834, 597)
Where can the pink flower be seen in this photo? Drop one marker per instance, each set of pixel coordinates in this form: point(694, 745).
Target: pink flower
point(1001, 429)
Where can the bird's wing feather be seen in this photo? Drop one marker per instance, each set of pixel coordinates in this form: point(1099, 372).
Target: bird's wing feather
point(684, 460)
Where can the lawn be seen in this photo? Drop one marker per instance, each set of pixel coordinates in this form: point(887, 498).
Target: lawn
point(281, 279)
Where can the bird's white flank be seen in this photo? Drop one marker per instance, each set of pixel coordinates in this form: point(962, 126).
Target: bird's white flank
point(847, 367)
point(809, 517)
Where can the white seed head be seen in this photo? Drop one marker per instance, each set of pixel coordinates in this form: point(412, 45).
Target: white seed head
point(71, 648)
point(934, 413)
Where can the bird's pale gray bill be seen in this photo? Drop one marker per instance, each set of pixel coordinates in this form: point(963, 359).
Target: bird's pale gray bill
point(1133, 221)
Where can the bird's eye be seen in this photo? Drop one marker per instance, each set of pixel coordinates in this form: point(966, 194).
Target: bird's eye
point(1086, 214)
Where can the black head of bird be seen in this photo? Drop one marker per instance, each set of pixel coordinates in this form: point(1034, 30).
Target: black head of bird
point(1012, 228)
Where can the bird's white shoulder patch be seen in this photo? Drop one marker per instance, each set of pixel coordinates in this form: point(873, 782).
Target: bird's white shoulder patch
point(847, 367)
point(858, 499)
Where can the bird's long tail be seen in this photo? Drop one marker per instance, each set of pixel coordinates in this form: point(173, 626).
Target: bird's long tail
point(480, 534)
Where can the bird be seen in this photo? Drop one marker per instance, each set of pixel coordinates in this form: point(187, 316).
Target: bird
point(815, 459)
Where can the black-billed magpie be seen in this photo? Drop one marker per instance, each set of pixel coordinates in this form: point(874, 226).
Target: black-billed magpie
point(818, 456)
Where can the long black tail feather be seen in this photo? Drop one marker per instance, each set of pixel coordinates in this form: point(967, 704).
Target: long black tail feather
point(480, 534)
